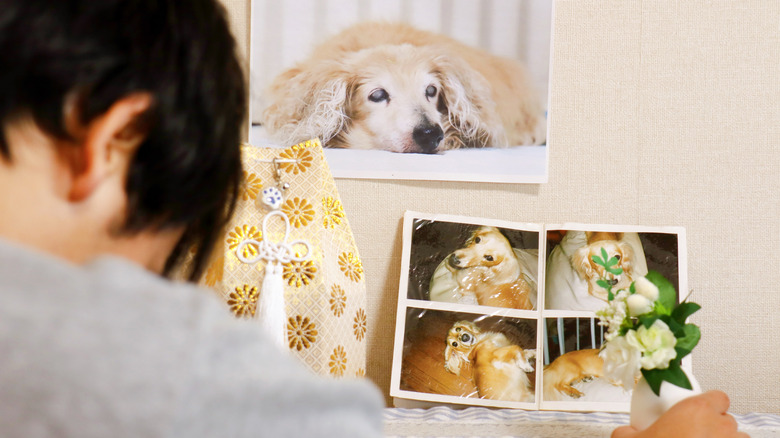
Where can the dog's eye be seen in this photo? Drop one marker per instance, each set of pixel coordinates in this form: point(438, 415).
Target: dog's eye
point(617, 256)
point(477, 240)
point(489, 258)
point(465, 337)
point(430, 91)
point(378, 95)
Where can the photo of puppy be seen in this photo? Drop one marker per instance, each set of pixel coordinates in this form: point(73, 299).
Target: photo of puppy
point(392, 87)
point(583, 263)
point(569, 369)
point(489, 272)
point(498, 367)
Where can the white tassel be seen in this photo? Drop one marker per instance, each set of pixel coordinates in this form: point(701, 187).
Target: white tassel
point(270, 308)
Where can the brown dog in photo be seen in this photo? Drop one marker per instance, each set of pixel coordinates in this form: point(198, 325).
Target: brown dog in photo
point(568, 369)
point(591, 272)
point(488, 270)
point(389, 86)
point(498, 366)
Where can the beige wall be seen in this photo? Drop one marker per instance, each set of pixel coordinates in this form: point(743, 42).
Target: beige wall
point(662, 113)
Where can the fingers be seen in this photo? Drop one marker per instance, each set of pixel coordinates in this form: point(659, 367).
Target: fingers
point(624, 432)
point(718, 400)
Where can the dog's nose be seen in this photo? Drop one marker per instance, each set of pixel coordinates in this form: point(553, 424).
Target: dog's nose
point(428, 137)
point(613, 281)
point(454, 261)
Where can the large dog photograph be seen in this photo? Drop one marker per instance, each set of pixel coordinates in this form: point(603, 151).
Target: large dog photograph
point(456, 357)
point(471, 262)
point(429, 89)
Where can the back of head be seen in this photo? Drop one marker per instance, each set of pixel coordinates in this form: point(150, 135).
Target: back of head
point(186, 173)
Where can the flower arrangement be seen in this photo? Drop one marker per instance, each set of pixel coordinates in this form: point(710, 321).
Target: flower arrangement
point(646, 330)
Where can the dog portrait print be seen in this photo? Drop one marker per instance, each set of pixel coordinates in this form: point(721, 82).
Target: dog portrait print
point(392, 87)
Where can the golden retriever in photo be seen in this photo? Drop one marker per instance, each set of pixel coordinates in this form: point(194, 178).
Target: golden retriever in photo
point(487, 270)
point(498, 366)
point(591, 272)
point(568, 369)
point(392, 87)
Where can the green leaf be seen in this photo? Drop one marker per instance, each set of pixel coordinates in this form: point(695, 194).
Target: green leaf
point(647, 320)
point(688, 342)
point(654, 378)
point(674, 374)
point(632, 288)
point(684, 310)
point(614, 271)
point(610, 295)
point(604, 255)
point(603, 284)
point(667, 296)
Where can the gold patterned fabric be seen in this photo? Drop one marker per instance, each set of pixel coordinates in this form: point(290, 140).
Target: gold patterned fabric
point(325, 295)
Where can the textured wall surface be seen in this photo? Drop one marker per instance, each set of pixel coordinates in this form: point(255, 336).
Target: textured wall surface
point(662, 113)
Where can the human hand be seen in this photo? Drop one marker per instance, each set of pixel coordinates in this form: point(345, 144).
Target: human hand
point(701, 416)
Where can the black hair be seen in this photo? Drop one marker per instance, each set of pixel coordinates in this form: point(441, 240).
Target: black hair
point(187, 171)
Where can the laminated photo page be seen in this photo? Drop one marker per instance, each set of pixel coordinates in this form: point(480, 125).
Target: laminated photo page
point(504, 314)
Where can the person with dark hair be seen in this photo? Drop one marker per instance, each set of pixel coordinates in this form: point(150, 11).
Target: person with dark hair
point(119, 158)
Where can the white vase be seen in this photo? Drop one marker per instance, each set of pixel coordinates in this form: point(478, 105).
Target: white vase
point(646, 407)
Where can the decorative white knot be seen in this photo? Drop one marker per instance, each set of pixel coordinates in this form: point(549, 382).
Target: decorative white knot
point(281, 252)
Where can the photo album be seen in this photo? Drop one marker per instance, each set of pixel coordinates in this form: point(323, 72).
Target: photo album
point(515, 315)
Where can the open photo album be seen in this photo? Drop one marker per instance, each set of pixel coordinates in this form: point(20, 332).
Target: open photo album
point(510, 314)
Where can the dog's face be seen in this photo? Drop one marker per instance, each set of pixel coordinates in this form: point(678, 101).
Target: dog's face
point(486, 248)
point(590, 271)
point(394, 102)
point(461, 338)
point(398, 98)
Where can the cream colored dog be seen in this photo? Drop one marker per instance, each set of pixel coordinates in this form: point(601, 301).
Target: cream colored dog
point(396, 88)
point(591, 272)
point(499, 367)
point(568, 369)
point(488, 270)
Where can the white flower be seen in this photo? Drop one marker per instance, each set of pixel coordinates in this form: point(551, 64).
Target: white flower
point(655, 343)
point(638, 304)
point(621, 361)
point(613, 315)
point(646, 288)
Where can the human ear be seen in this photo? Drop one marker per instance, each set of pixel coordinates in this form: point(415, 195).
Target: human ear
point(105, 144)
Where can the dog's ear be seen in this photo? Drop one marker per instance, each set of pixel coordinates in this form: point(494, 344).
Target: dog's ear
point(528, 363)
point(309, 101)
point(453, 360)
point(627, 257)
point(471, 118)
point(581, 262)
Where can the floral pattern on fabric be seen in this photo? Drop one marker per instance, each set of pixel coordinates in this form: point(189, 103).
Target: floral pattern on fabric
point(359, 325)
point(242, 233)
point(333, 212)
point(250, 186)
point(351, 267)
point(243, 301)
point(299, 211)
point(338, 300)
point(323, 294)
point(299, 273)
point(301, 333)
point(338, 361)
point(299, 152)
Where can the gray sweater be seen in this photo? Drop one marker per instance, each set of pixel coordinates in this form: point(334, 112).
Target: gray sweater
point(110, 350)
